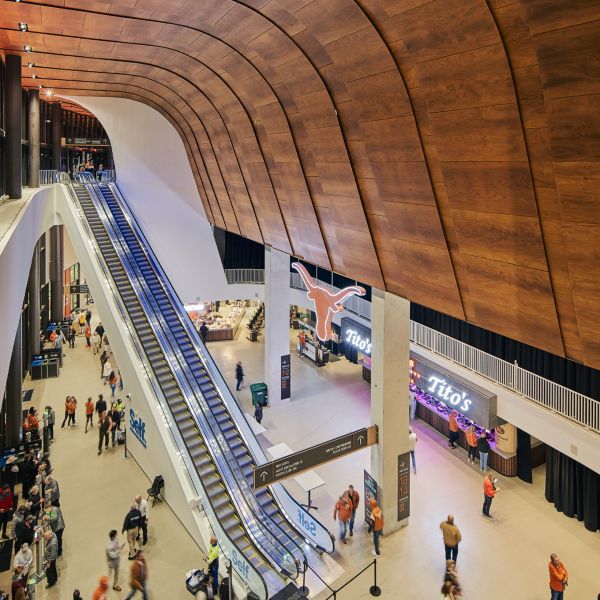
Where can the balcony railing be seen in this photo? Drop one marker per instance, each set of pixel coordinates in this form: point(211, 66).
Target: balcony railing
point(245, 275)
point(48, 176)
point(581, 409)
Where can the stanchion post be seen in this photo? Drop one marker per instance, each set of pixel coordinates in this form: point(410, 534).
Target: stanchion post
point(229, 567)
point(303, 591)
point(375, 590)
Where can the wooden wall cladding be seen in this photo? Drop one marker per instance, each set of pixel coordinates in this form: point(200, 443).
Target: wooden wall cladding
point(447, 151)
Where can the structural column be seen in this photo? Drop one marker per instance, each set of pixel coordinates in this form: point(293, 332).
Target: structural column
point(33, 292)
point(14, 165)
point(390, 329)
point(56, 273)
point(56, 134)
point(277, 317)
point(14, 399)
point(34, 138)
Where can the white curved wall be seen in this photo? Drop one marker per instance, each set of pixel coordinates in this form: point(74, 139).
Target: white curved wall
point(154, 174)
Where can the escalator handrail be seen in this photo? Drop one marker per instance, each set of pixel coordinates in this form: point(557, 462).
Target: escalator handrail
point(155, 385)
point(164, 335)
point(213, 370)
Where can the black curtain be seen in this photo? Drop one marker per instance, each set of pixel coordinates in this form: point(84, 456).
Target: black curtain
point(567, 373)
point(573, 488)
point(524, 470)
point(242, 253)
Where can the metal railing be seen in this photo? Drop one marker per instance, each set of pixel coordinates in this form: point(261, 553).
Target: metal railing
point(245, 275)
point(48, 176)
point(581, 409)
point(355, 304)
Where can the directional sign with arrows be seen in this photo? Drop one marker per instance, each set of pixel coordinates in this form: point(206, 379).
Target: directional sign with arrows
point(291, 465)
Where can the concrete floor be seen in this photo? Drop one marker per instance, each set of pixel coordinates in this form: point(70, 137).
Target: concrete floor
point(503, 558)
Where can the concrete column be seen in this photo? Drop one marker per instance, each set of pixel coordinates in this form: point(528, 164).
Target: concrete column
point(33, 291)
point(14, 161)
point(14, 399)
point(56, 134)
point(34, 138)
point(277, 318)
point(56, 273)
point(390, 327)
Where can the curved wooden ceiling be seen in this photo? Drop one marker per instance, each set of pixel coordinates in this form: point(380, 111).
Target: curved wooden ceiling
point(447, 150)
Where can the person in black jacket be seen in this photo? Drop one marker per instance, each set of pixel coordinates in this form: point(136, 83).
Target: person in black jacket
point(239, 375)
point(484, 447)
point(24, 533)
point(100, 404)
point(115, 417)
point(131, 525)
point(28, 472)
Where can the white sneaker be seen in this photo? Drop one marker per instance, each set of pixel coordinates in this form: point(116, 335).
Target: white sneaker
point(375, 554)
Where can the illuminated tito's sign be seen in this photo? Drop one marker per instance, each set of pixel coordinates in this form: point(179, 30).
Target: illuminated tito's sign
point(444, 391)
point(354, 338)
point(326, 303)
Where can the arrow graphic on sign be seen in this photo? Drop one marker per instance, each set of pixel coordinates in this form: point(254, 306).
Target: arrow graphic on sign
point(360, 439)
point(263, 475)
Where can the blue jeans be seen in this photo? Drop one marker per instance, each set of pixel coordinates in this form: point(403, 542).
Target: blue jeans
point(214, 573)
point(342, 529)
point(113, 386)
point(483, 456)
point(351, 524)
point(133, 592)
point(239, 383)
point(376, 535)
point(556, 595)
point(414, 462)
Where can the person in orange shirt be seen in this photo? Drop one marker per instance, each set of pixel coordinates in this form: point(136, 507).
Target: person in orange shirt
point(376, 524)
point(89, 414)
point(471, 436)
point(343, 511)
point(453, 427)
point(301, 342)
point(71, 407)
point(559, 578)
point(101, 592)
point(489, 491)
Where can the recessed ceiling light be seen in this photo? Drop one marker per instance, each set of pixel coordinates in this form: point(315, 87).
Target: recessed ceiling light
point(33, 76)
point(49, 92)
point(23, 26)
point(30, 64)
point(40, 86)
point(27, 48)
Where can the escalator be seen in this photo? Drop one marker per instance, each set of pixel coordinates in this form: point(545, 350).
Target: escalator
point(253, 522)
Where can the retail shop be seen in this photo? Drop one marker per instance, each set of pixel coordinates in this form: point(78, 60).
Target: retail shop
point(437, 392)
point(222, 317)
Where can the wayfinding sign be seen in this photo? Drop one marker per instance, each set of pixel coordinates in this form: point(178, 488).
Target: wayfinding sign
point(291, 465)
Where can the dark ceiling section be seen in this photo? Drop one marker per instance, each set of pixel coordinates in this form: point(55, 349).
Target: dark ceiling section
point(447, 151)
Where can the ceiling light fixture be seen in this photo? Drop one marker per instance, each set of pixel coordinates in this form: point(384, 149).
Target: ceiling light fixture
point(49, 93)
point(30, 64)
point(27, 48)
point(33, 76)
point(23, 27)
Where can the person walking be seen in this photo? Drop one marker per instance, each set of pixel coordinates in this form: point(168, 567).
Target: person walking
point(72, 334)
point(203, 332)
point(342, 511)
point(559, 578)
point(67, 400)
point(412, 440)
point(71, 408)
point(49, 419)
point(88, 336)
point(106, 370)
point(105, 424)
point(88, 317)
point(489, 491)
point(483, 446)
point(96, 342)
point(412, 404)
point(471, 436)
point(452, 537)
point(112, 382)
point(258, 412)
point(354, 498)
point(213, 564)
point(50, 556)
point(100, 405)
point(113, 557)
point(115, 417)
point(82, 323)
point(131, 525)
point(142, 506)
point(103, 359)
point(139, 576)
point(239, 375)
point(376, 525)
point(101, 592)
point(453, 429)
point(6, 508)
point(89, 414)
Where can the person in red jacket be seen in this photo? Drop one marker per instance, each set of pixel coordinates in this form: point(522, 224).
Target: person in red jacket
point(489, 491)
point(453, 427)
point(559, 578)
point(6, 508)
point(343, 511)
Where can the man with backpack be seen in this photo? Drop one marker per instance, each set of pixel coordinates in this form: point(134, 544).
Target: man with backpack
point(131, 525)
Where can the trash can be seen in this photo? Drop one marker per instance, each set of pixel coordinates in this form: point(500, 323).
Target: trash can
point(260, 394)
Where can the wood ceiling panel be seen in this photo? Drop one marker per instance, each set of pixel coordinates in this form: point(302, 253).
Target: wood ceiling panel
point(389, 140)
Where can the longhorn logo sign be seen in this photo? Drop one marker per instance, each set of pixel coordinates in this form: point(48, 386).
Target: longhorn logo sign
point(326, 303)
